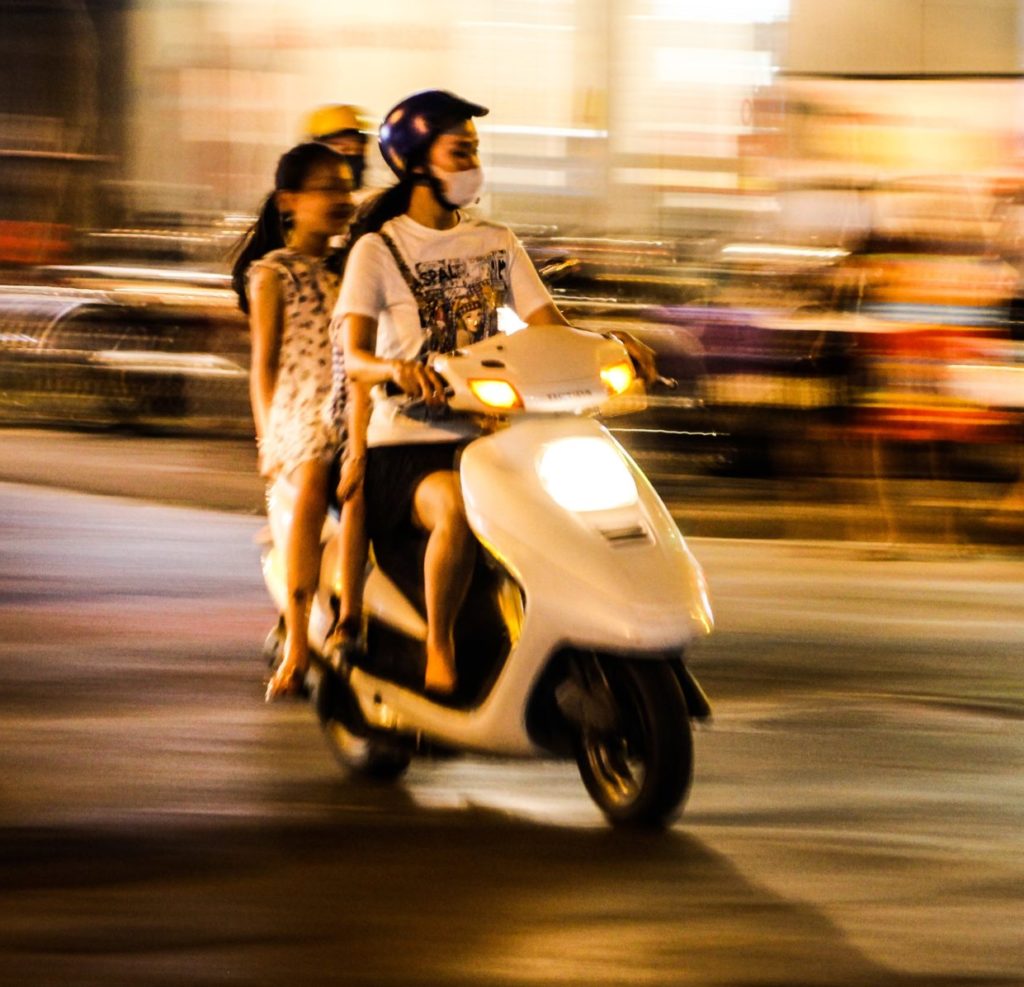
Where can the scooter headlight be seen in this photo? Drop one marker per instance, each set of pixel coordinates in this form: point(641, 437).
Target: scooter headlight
point(618, 378)
point(586, 474)
point(498, 394)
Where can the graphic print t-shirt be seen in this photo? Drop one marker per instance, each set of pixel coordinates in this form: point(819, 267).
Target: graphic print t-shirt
point(466, 273)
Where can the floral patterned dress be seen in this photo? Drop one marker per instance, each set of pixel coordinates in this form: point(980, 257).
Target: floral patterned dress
point(304, 422)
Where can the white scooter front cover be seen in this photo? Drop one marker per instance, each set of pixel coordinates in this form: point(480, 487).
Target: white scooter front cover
point(610, 572)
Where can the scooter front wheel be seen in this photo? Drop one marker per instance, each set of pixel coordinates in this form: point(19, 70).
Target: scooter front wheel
point(639, 771)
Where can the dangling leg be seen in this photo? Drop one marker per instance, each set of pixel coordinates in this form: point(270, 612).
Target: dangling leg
point(447, 569)
point(354, 548)
point(302, 558)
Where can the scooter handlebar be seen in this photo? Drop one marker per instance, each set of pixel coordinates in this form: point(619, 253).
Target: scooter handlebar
point(553, 369)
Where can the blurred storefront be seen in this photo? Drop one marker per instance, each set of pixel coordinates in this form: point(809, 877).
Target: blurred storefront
point(622, 116)
point(643, 118)
point(62, 75)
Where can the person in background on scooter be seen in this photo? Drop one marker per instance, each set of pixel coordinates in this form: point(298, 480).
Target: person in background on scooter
point(423, 277)
point(287, 277)
point(343, 128)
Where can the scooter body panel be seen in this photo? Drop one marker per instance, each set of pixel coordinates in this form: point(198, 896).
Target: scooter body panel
point(621, 580)
point(586, 585)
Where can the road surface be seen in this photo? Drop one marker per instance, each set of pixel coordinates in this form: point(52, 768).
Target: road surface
point(857, 816)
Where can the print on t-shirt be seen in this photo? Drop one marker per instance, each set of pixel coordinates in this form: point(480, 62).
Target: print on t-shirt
point(459, 299)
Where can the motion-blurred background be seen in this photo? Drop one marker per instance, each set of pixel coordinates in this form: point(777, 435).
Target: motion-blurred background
point(812, 209)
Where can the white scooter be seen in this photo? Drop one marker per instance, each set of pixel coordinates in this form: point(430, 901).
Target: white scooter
point(585, 597)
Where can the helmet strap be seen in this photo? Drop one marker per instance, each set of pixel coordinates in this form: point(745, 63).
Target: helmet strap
point(436, 186)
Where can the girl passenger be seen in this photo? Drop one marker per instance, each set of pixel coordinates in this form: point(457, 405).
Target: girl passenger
point(287, 277)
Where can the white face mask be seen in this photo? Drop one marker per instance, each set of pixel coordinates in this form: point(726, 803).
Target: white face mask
point(460, 187)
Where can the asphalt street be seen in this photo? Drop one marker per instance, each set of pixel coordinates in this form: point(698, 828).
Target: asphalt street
point(857, 815)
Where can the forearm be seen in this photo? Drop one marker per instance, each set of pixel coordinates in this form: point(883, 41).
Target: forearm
point(365, 367)
point(261, 393)
point(357, 337)
point(368, 369)
point(353, 463)
point(357, 415)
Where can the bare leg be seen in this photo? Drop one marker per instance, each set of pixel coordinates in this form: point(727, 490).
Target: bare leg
point(302, 558)
point(447, 568)
point(353, 563)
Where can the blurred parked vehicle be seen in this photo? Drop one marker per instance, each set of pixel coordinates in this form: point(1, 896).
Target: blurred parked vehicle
point(117, 358)
point(618, 270)
point(743, 388)
point(781, 355)
point(752, 387)
point(786, 351)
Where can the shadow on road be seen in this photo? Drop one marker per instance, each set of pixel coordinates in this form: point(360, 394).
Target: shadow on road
point(382, 891)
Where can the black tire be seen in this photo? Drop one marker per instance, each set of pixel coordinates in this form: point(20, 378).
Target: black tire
point(365, 756)
point(274, 643)
point(639, 772)
point(374, 758)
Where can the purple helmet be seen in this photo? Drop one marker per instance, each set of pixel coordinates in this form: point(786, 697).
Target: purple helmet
point(412, 126)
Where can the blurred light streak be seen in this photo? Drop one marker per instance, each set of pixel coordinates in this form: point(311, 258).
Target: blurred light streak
point(661, 177)
point(781, 250)
point(195, 364)
point(205, 295)
point(954, 315)
point(719, 11)
point(143, 273)
point(713, 66)
point(510, 176)
point(531, 131)
point(515, 26)
point(718, 203)
point(667, 431)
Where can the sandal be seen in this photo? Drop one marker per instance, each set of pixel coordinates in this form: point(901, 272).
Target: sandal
point(344, 646)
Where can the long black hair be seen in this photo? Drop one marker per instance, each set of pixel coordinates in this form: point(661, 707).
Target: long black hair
point(271, 227)
point(381, 208)
point(392, 202)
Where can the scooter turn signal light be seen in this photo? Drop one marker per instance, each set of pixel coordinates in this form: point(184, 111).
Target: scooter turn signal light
point(496, 394)
point(618, 378)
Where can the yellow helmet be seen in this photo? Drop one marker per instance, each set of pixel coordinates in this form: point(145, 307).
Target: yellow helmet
point(337, 118)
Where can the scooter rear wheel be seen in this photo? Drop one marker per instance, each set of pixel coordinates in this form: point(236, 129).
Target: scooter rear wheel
point(274, 643)
point(361, 754)
point(639, 771)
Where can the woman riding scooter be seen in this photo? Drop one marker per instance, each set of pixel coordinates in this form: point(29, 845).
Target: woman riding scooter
point(422, 278)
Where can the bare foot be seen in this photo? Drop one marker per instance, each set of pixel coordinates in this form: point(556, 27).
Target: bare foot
point(289, 677)
point(440, 677)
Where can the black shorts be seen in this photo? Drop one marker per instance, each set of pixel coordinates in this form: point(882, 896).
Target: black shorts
point(392, 475)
